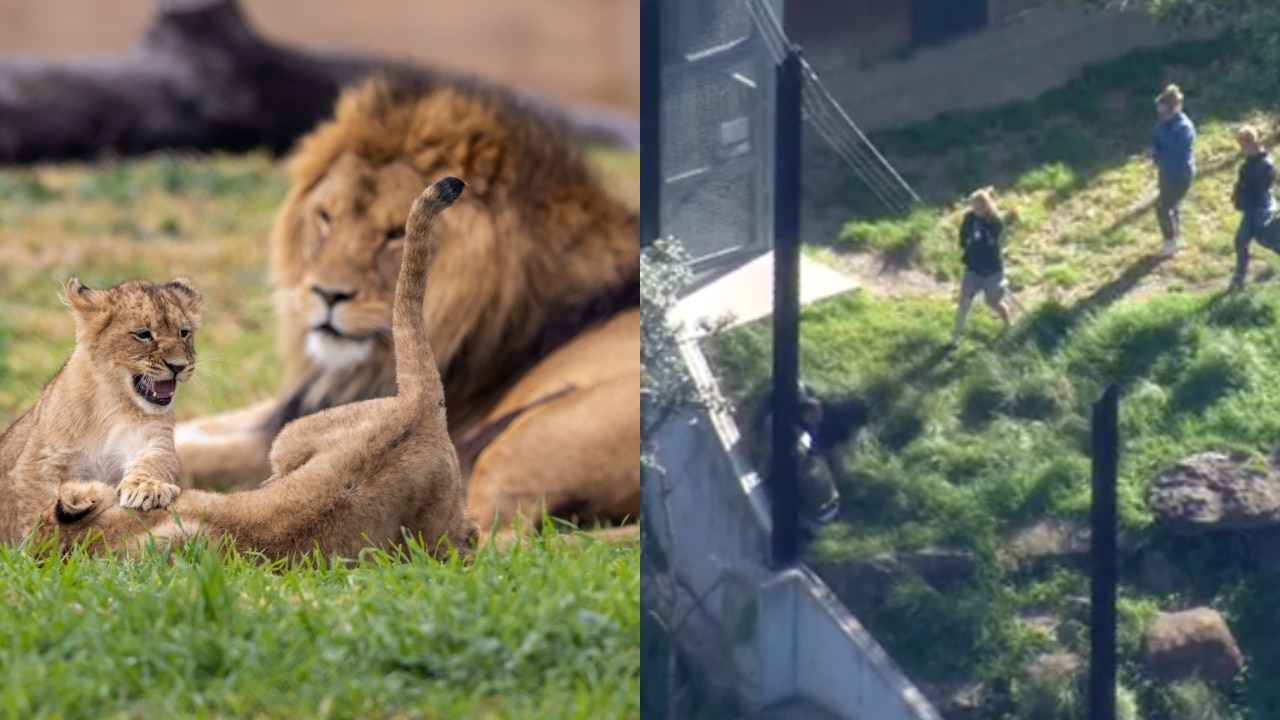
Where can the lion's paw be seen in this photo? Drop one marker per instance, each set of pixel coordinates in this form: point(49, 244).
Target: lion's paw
point(147, 494)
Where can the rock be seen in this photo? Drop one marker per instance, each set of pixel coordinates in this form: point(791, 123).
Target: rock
point(1049, 541)
point(865, 582)
point(1078, 607)
point(943, 569)
point(1055, 542)
point(1189, 644)
point(956, 700)
point(1054, 666)
point(1211, 492)
point(1047, 624)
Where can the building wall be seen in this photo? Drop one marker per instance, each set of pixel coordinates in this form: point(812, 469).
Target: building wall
point(858, 30)
point(1003, 10)
point(864, 31)
point(1030, 49)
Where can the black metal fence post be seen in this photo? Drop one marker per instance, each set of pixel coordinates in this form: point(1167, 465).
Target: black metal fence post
point(650, 121)
point(1105, 527)
point(783, 491)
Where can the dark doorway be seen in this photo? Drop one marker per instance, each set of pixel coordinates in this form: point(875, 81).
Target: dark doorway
point(936, 21)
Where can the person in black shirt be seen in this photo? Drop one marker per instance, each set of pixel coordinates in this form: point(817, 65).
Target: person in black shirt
point(980, 234)
point(1252, 197)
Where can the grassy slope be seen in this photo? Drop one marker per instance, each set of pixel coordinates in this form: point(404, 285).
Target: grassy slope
point(544, 633)
point(971, 447)
point(1072, 163)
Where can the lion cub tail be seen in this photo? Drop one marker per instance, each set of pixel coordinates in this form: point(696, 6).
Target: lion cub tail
point(416, 371)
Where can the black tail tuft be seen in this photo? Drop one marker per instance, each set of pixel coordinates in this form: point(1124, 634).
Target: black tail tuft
point(449, 189)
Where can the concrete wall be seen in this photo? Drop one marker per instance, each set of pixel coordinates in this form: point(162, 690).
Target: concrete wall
point(834, 661)
point(719, 516)
point(806, 645)
point(1032, 49)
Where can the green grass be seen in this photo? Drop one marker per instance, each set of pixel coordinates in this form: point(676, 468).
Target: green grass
point(967, 449)
point(1072, 163)
point(542, 632)
point(996, 435)
point(539, 631)
point(155, 218)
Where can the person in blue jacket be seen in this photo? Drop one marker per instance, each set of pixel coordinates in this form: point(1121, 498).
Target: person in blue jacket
point(1252, 196)
point(1172, 144)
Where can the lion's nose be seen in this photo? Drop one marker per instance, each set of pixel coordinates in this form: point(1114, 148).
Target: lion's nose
point(332, 297)
point(175, 368)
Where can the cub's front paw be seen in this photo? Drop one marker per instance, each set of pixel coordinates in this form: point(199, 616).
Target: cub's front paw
point(147, 494)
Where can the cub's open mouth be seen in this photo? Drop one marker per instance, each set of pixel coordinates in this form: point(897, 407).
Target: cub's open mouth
point(156, 392)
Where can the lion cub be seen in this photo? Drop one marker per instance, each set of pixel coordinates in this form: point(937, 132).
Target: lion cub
point(107, 415)
point(342, 479)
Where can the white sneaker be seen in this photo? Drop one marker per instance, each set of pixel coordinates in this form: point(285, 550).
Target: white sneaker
point(1170, 248)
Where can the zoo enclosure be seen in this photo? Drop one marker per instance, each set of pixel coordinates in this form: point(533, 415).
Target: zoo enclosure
point(709, 100)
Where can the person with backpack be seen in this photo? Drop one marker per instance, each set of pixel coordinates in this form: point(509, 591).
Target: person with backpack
point(981, 232)
point(1172, 144)
point(1252, 196)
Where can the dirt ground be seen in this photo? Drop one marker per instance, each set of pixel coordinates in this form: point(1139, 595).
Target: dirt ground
point(577, 51)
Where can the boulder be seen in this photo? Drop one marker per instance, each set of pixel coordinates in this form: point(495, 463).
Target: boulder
point(1057, 666)
point(962, 700)
point(864, 583)
point(1212, 492)
point(1054, 542)
point(1193, 643)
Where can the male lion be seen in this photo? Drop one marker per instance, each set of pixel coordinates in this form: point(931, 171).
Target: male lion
point(342, 479)
point(533, 307)
point(108, 413)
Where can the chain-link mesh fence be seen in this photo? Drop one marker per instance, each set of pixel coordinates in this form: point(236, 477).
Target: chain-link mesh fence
point(718, 94)
point(717, 89)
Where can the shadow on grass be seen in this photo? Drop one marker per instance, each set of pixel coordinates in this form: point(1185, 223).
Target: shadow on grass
point(1049, 324)
point(1216, 167)
point(1144, 207)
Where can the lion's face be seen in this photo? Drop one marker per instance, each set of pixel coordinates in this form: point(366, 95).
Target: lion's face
point(352, 237)
point(140, 335)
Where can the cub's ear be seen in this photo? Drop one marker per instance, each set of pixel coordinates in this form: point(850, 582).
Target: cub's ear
point(190, 296)
point(84, 300)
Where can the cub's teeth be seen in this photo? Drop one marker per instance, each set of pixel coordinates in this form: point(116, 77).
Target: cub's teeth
point(163, 388)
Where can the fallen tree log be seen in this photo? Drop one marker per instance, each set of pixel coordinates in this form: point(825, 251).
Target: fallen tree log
point(201, 79)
